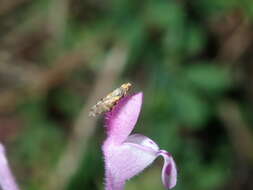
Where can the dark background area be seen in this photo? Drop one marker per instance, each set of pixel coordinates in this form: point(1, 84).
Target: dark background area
point(192, 60)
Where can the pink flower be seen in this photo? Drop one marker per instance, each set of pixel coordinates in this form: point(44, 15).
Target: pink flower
point(7, 181)
point(127, 155)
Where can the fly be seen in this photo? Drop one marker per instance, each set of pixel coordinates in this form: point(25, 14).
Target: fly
point(107, 103)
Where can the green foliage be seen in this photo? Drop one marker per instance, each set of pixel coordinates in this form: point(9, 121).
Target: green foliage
point(209, 78)
point(189, 108)
point(173, 51)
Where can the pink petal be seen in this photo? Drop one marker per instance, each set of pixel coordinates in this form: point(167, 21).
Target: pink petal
point(126, 156)
point(169, 172)
point(124, 161)
point(7, 181)
point(122, 119)
point(143, 142)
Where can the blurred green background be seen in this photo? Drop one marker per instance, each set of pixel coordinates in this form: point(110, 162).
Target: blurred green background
point(192, 60)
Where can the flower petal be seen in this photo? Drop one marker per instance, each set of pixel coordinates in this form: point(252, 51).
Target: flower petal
point(169, 172)
point(124, 161)
point(142, 142)
point(7, 181)
point(122, 119)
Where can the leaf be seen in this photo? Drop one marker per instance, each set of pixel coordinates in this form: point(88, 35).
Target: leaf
point(189, 108)
point(209, 77)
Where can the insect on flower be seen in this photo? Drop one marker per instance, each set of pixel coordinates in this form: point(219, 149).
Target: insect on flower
point(127, 154)
point(107, 103)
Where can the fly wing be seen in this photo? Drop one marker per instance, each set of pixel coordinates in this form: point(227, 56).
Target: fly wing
point(108, 102)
